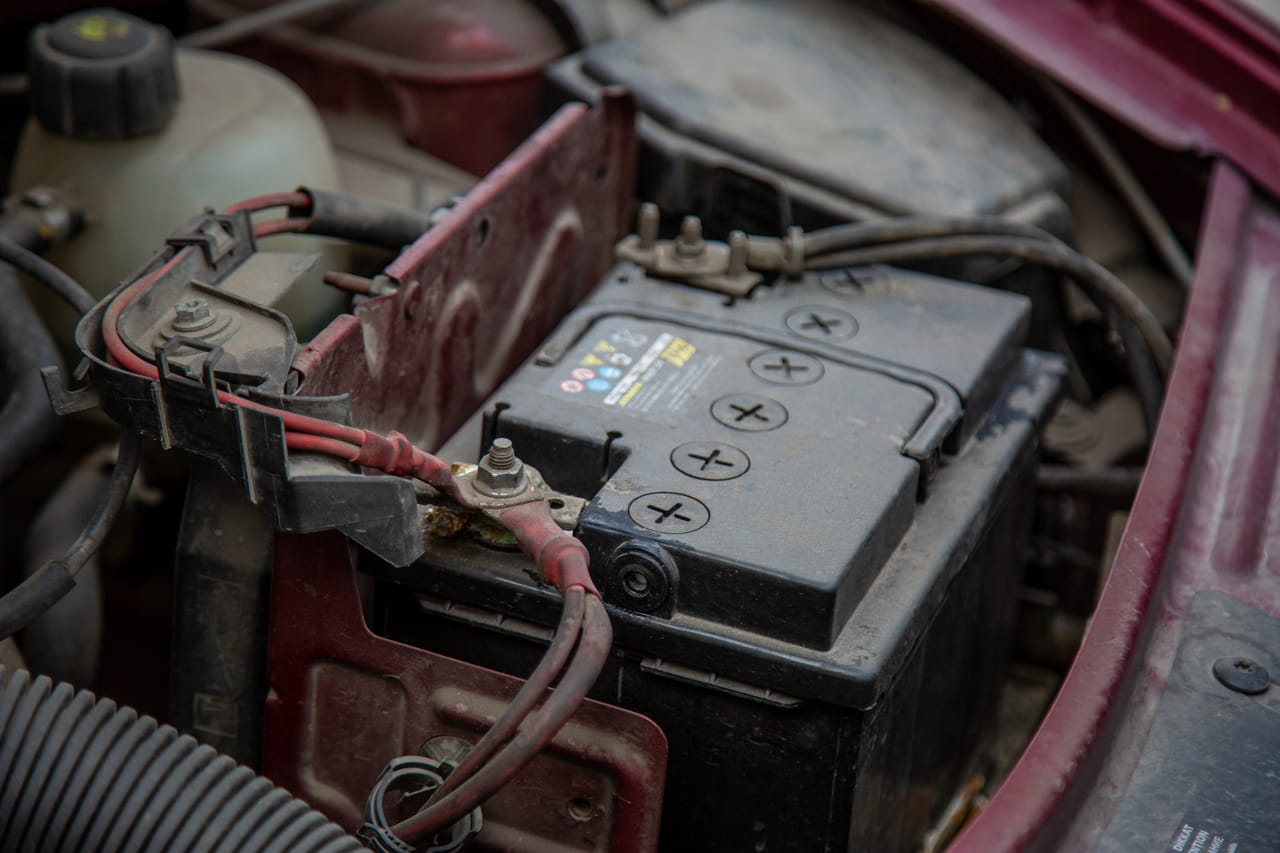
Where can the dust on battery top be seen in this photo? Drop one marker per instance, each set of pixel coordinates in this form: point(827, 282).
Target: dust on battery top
point(726, 432)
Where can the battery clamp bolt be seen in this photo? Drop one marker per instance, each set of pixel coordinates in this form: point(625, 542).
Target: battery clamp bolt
point(500, 472)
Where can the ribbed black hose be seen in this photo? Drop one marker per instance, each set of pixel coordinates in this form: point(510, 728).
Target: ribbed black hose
point(27, 420)
point(81, 773)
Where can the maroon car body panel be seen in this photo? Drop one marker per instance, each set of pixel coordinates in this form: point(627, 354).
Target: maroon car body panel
point(1204, 518)
point(1194, 75)
point(1202, 76)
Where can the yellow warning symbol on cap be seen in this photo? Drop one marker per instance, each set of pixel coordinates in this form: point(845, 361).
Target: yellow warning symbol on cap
point(603, 346)
point(101, 28)
point(591, 360)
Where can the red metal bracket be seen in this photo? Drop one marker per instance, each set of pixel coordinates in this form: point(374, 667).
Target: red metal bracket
point(344, 701)
point(483, 287)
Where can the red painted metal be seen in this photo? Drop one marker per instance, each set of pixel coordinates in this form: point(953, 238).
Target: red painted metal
point(481, 289)
point(344, 701)
point(1196, 75)
point(1207, 510)
point(461, 79)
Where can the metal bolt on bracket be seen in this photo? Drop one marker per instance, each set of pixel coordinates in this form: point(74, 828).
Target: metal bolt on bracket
point(690, 246)
point(737, 264)
point(193, 314)
point(647, 226)
point(690, 257)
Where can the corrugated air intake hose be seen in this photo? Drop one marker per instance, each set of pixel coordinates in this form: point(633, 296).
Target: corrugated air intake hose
point(78, 773)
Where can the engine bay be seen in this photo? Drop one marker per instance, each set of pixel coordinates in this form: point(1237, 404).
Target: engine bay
point(560, 426)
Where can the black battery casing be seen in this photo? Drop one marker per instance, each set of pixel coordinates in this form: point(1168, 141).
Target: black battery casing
point(807, 512)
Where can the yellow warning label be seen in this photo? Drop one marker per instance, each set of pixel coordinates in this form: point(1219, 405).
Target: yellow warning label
point(101, 28)
point(678, 352)
point(604, 346)
point(591, 360)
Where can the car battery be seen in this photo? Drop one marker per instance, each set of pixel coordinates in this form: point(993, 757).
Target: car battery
point(806, 511)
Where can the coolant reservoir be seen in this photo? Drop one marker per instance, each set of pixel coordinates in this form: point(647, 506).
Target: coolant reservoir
point(147, 136)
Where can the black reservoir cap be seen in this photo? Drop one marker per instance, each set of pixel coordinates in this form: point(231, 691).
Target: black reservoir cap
point(102, 74)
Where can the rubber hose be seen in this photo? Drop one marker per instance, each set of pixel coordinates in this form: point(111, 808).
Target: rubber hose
point(360, 220)
point(82, 773)
point(27, 420)
point(55, 280)
point(65, 641)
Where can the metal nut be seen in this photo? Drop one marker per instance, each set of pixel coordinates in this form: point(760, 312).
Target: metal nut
point(689, 245)
point(500, 473)
point(192, 315)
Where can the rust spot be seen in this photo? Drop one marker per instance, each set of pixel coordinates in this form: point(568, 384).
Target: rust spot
point(442, 522)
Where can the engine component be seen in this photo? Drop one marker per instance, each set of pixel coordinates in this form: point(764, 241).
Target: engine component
point(418, 777)
point(65, 642)
point(886, 420)
point(239, 352)
point(205, 323)
point(460, 80)
point(761, 114)
point(215, 129)
point(189, 351)
point(695, 431)
point(26, 421)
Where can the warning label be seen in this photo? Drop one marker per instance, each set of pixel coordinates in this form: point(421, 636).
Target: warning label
point(643, 370)
point(1192, 839)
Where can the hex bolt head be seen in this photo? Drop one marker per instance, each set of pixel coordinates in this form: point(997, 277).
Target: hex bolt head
point(192, 315)
point(500, 472)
